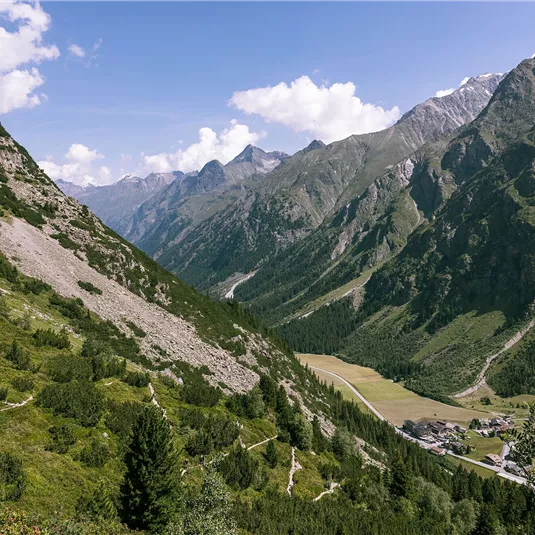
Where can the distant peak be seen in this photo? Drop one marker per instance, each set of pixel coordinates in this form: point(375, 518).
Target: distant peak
point(316, 144)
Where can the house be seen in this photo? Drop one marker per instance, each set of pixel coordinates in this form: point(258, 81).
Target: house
point(514, 469)
point(438, 428)
point(419, 430)
point(437, 451)
point(493, 459)
point(460, 429)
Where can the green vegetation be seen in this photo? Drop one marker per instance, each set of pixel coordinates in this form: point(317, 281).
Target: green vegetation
point(88, 287)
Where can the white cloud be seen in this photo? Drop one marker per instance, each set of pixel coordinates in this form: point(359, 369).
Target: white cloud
point(211, 146)
point(22, 46)
point(81, 154)
point(76, 50)
point(444, 92)
point(79, 167)
point(327, 112)
point(97, 45)
point(16, 90)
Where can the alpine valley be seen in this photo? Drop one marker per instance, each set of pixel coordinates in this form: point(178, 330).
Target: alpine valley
point(148, 381)
point(406, 250)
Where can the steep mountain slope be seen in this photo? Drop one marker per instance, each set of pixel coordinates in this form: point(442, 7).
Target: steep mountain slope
point(54, 238)
point(117, 202)
point(463, 284)
point(301, 192)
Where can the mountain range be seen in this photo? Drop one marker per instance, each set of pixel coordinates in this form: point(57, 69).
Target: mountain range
point(324, 225)
point(134, 403)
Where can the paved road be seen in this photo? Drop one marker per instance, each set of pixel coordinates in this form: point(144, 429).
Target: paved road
point(354, 390)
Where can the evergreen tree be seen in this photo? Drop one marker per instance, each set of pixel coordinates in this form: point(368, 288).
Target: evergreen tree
point(400, 478)
point(149, 488)
point(524, 451)
point(272, 456)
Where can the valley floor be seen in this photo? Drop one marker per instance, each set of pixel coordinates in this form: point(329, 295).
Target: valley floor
point(392, 402)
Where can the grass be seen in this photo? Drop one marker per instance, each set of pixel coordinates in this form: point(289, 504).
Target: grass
point(392, 400)
point(479, 470)
point(347, 393)
point(482, 446)
point(336, 293)
point(516, 407)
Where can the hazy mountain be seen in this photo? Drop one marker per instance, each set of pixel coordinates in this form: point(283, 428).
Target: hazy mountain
point(180, 206)
point(115, 202)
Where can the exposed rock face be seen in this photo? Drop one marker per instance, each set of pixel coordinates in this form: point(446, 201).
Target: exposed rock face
point(470, 259)
point(52, 237)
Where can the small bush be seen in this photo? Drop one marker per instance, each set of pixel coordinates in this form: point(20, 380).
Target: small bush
point(3, 393)
point(96, 454)
point(140, 333)
point(18, 356)
point(138, 379)
point(35, 286)
point(48, 337)
point(12, 477)
point(63, 437)
point(64, 369)
point(65, 241)
point(121, 417)
point(22, 384)
point(88, 287)
point(77, 399)
point(201, 394)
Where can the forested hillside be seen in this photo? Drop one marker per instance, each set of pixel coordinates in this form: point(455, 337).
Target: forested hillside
point(462, 286)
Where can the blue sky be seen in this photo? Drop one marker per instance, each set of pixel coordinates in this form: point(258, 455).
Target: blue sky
point(154, 74)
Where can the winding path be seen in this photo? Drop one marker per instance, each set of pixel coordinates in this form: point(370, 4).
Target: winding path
point(325, 492)
point(15, 405)
point(293, 469)
point(480, 381)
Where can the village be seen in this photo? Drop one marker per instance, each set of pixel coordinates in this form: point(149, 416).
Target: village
point(487, 440)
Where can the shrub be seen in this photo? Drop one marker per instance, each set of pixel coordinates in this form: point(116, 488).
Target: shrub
point(96, 454)
point(48, 337)
point(201, 394)
point(64, 369)
point(238, 468)
point(12, 477)
point(22, 384)
point(18, 356)
point(63, 437)
point(138, 331)
point(4, 308)
point(77, 399)
point(121, 417)
point(88, 287)
point(35, 286)
point(138, 379)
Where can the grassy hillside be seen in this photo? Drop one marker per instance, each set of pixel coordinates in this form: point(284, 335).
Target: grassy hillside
point(84, 385)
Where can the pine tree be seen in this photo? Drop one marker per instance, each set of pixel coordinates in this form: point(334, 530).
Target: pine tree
point(272, 456)
point(400, 482)
point(149, 489)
